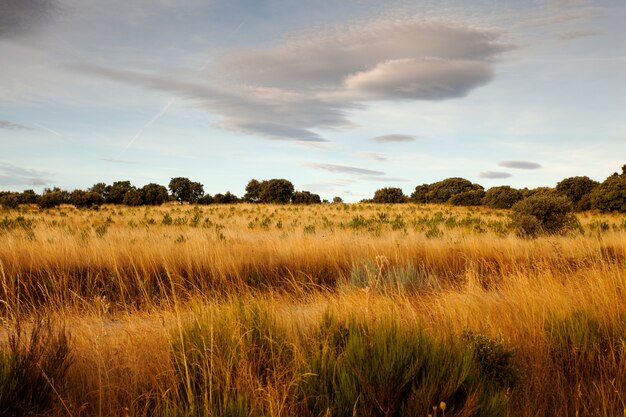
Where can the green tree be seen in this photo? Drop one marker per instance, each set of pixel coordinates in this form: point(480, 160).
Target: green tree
point(134, 197)
point(253, 191)
point(337, 200)
point(102, 189)
point(276, 191)
point(389, 195)
point(543, 213)
point(117, 192)
point(578, 190)
point(154, 194)
point(468, 198)
point(420, 193)
point(53, 197)
point(185, 190)
point(28, 197)
point(502, 197)
point(305, 197)
point(610, 195)
point(85, 199)
point(9, 200)
point(226, 198)
point(205, 200)
point(440, 192)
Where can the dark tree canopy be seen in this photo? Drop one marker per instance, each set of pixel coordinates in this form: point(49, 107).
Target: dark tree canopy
point(420, 193)
point(154, 194)
point(468, 198)
point(226, 198)
point(502, 197)
point(578, 190)
point(85, 199)
point(305, 197)
point(185, 190)
point(253, 191)
point(610, 195)
point(389, 195)
point(134, 197)
point(440, 192)
point(276, 191)
point(117, 192)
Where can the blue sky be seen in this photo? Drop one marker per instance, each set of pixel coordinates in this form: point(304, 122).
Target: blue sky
point(342, 98)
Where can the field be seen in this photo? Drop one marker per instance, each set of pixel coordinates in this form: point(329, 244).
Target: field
point(328, 310)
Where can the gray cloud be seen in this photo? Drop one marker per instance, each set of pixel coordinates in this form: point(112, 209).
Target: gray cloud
point(494, 175)
point(394, 138)
point(22, 16)
point(345, 169)
point(5, 124)
point(313, 80)
point(574, 34)
point(373, 156)
point(14, 175)
point(520, 164)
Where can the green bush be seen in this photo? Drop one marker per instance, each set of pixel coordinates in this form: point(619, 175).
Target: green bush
point(468, 198)
point(385, 369)
point(578, 189)
point(543, 213)
point(440, 192)
point(33, 370)
point(502, 197)
point(390, 195)
point(610, 195)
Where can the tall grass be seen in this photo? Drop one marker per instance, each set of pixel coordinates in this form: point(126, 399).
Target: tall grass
point(294, 311)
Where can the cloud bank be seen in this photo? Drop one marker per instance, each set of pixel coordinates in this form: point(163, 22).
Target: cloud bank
point(312, 81)
point(5, 124)
point(394, 138)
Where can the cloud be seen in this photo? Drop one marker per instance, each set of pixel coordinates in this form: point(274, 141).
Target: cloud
point(345, 169)
point(575, 34)
point(373, 156)
point(22, 16)
point(520, 164)
point(394, 138)
point(494, 175)
point(5, 124)
point(314, 79)
point(14, 175)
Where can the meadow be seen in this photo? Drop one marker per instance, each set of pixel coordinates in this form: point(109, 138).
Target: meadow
point(324, 310)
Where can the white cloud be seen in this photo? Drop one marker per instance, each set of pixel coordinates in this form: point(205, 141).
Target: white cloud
point(494, 175)
point(374, 156)
point(345, 169)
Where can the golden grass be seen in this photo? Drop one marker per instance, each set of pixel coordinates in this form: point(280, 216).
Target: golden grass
point(126, 285)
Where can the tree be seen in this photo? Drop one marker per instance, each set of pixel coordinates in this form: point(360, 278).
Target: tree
point(53, 197)
point(102, 189)
point(543, 213)
point(9, 200)
point(610, 195)
point(253, 191)
point(389, 195)
point(305, 197)
point(154, 194)
point(134, 197)
point(117, 192)
point(578, 190)
point(502, 197)
point(440, 192)
point(420, 193)
point(185, 190)
point(468, 198)
point(28, 197)
point(227, 198)
point(337, 200)
point(205, 200)
point(276, 191)
point(85, 199)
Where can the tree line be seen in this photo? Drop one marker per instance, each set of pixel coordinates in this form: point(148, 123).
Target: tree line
point(581, 192)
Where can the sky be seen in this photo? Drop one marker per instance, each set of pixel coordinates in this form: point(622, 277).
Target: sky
point(340, 97)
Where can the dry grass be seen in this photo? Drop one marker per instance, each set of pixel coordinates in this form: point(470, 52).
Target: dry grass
point(127, 283)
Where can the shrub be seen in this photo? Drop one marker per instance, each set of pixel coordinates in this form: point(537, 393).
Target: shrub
point(420, 193)
point(31, 371)
point(9, 200)
point(440, 192)
point(205, 200)
point(543, 214)
point(502, 197)
point(610, 195)
point(468, 198)
point(276, 191)
point(389, 195)
point(305, 197)
point(578, 189)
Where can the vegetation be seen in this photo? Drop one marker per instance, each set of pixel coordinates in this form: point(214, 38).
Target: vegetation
point(389, 195)
point(543, 213)
point(296, 310)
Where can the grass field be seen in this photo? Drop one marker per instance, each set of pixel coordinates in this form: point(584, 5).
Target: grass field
point(332, 310)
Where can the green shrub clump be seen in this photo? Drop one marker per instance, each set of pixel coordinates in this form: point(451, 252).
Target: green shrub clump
point(543, 213)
